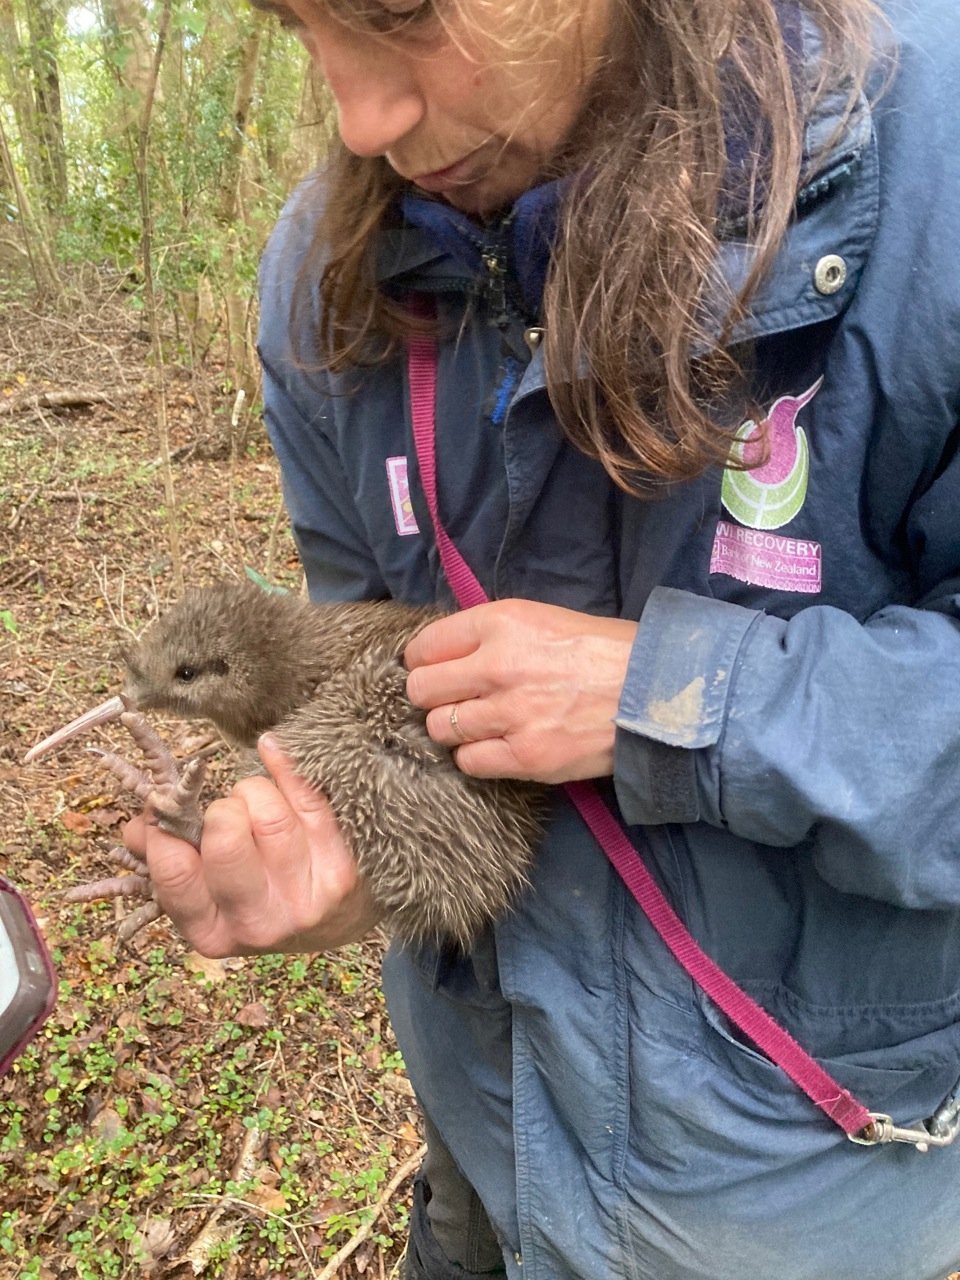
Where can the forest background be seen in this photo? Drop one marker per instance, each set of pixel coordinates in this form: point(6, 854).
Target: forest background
point(177, 1116)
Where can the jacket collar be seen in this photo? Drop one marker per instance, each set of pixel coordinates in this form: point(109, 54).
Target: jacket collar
point(439, 248)
point(519, 244)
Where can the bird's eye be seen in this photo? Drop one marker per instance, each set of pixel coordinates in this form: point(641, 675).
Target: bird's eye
point(185, 674)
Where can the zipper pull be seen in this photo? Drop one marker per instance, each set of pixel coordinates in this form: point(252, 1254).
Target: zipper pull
point(496, 267)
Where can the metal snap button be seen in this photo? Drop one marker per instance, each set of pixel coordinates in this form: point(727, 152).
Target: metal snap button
point(533, 337)
point(830, 274)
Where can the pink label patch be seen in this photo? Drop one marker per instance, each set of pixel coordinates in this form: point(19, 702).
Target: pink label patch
point(765, 559)
point(403, 516)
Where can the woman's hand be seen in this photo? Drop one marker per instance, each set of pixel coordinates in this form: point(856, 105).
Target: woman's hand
point(535, 688)
point(273, 872)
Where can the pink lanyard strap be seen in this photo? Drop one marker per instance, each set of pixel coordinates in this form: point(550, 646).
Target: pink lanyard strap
point(744, 1012)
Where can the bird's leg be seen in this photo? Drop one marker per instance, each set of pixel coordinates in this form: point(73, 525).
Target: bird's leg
point(171, 795)
point(174, 793)
point(137, 885)
point(172, 799)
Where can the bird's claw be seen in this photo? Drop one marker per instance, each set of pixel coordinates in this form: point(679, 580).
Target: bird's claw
point(161, 767)
point(176, 805)
point(137, 885)
point(171, 798)
point(139, 919)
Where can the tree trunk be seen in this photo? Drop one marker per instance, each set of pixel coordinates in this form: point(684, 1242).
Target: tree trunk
point(42, 23)
point(231, 205)
point(13, 60)
point(143, 184)
point(36, 243)
point(127, 26)
point(312, 128)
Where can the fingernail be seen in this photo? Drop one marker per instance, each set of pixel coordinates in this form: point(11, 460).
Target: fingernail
point(269, 742)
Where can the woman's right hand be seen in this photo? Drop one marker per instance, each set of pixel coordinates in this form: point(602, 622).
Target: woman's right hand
point(273, 872)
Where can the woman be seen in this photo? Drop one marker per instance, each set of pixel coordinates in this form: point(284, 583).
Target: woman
point(723, 560)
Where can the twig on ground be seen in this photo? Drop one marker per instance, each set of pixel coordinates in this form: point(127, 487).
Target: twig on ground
point(18, 512)
point(408, 1168)
point(348, 1093)
point(199, 1249)
point(58, 400)
point(117, 616)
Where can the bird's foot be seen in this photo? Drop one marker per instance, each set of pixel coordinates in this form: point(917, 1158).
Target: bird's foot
point(136, 885)
point(171, 798)
point(170, 793)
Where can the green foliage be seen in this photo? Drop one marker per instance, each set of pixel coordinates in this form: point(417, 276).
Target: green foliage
point(259, 580)
point(191, 145)
point(197, 151)
point(142, 1086)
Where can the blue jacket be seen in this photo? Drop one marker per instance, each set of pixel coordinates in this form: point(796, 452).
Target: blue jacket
point(788, 744)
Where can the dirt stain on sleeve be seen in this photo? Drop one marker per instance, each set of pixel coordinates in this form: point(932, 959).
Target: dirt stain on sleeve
point(680, 717)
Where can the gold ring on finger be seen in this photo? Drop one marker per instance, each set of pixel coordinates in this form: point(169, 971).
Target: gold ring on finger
point(455, 723)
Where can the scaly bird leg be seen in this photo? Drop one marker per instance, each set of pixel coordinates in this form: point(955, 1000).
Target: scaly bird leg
point(137, 885)
point(133, 886)
point(172, 795)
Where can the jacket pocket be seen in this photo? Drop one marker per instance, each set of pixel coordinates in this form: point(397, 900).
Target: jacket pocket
point(908, 1081)
point(470, 978)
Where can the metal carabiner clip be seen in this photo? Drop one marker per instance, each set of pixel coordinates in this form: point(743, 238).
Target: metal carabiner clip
point(942, 1128)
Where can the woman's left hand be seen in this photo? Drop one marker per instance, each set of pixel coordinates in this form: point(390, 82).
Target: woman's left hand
point(522, 690)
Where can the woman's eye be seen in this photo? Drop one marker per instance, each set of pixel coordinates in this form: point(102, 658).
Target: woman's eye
point(406, 8)
point(185, 674)
point(398, 16)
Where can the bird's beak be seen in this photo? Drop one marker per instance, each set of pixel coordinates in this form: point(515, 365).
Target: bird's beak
point(109, 710)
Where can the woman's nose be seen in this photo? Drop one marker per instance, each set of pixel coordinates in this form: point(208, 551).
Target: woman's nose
point(376, 91)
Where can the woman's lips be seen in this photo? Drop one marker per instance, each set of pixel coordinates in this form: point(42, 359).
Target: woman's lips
point(455, 175)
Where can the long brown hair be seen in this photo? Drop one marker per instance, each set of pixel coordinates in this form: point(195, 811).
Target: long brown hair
point(637, 248)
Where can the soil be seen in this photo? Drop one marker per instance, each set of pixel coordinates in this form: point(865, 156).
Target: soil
point(176, 1117)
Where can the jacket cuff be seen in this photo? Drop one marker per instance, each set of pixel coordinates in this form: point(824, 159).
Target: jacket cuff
point(673, 707)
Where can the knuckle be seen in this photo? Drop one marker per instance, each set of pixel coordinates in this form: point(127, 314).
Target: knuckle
point(506, 667)
point(437, 723)
point(415, 690)
point(215, 947)
point(512, 614)
point(421, 647)
point(475, 760)
point(341, 879)
point(466, 761)
point(510, 609)
point(526, 760)
point(172, 881)
point(222, 814)
point(308, 801)
point(256, 934)
point(253, 790)
point(134, 834)
point(226, 833)
point(271, 823)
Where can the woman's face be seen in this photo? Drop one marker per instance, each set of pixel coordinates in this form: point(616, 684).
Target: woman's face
point(446, 107)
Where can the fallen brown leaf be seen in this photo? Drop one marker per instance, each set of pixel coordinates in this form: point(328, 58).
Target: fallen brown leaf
point(79, 823)
point(254, 1015)
point(212, 970)
point(107, 1124)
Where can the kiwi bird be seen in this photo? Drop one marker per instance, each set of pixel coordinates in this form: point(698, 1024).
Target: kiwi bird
point(443, 854)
